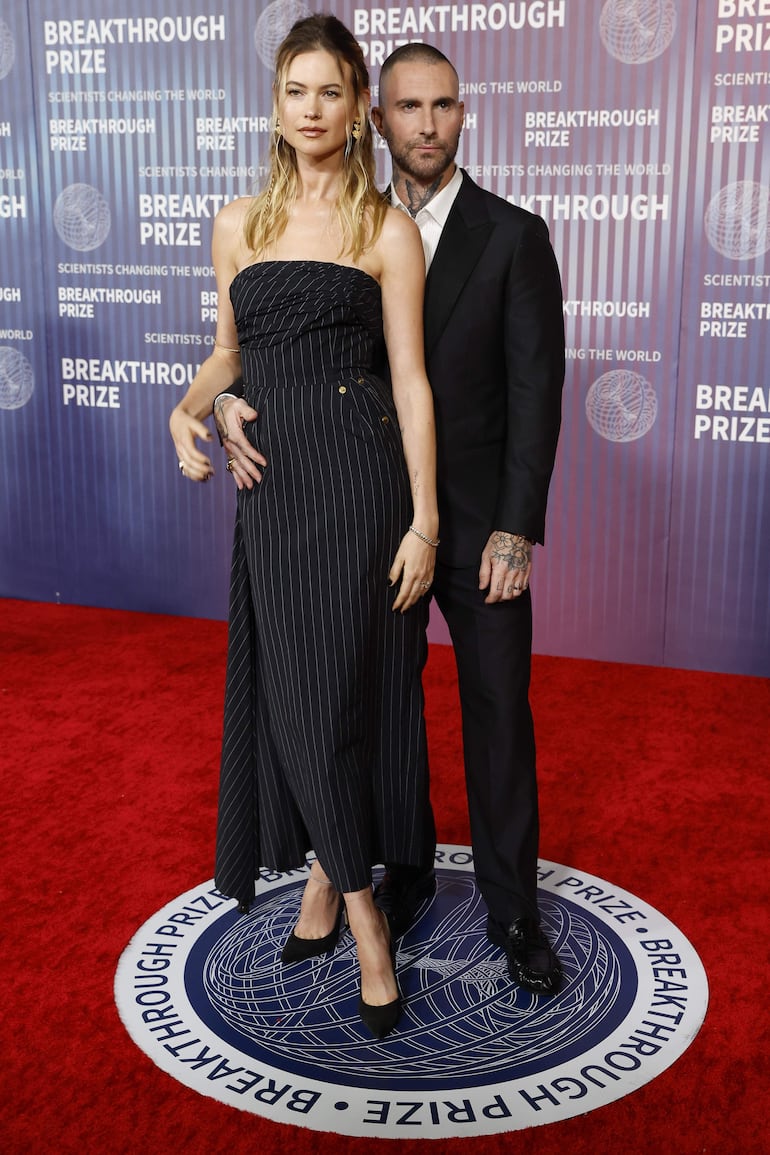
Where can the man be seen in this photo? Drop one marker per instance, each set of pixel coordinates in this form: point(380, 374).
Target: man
point(494, 343)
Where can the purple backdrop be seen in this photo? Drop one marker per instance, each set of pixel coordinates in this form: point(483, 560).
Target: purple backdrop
point(635, 129)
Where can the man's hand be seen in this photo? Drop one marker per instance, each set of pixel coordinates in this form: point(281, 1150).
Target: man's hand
point(506, 565)
point(244, 462)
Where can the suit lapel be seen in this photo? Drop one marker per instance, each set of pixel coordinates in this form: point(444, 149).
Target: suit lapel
point(463, 240)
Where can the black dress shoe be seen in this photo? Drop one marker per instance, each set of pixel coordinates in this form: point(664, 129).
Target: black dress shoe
point(531, 961)
point(401, 893)
point(297, 949)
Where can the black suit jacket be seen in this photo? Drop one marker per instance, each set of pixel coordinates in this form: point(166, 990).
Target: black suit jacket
point(494, 345)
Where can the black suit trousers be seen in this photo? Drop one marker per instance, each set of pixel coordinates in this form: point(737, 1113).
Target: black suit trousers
point(493, 650)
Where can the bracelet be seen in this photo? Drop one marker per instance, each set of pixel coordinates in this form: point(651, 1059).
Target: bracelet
point(424, 537)
point(227, 348)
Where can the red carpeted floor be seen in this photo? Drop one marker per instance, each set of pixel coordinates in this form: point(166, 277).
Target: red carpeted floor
point(655, 780)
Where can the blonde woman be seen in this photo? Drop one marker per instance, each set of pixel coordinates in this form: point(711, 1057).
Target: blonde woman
point(337, 525)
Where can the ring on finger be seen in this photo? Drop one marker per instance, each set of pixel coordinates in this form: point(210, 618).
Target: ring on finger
point(230, 464)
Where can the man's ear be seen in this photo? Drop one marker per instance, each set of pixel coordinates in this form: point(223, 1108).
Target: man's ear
point(376, 115)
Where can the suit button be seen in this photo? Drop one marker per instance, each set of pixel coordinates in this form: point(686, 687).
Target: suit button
point(385, 420)
point(359, 380)
point(343, 389)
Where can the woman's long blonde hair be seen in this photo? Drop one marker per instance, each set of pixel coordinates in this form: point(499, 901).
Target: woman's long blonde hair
point(361, 208)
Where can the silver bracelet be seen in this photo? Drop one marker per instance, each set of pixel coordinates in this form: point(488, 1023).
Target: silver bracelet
point(424, 537)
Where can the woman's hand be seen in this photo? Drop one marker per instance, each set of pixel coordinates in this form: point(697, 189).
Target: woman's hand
point(413, 565)
point(185, 428)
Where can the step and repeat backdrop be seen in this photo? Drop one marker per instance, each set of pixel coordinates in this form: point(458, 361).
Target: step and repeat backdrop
point(637, 128)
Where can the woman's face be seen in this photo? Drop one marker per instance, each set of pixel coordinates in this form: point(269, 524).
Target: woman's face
point(315, 105)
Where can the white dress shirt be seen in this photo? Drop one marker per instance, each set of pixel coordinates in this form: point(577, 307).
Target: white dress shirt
point(431, 219)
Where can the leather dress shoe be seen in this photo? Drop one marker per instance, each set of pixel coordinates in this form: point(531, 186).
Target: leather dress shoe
point(531, 960)
point(401, 894)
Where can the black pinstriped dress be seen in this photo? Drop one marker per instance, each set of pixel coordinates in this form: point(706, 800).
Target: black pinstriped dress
point(324, 740)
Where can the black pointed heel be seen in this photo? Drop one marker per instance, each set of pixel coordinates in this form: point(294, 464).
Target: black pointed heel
point(381, 1020)
point(298, 949)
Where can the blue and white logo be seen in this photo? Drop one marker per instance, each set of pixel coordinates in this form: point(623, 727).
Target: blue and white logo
point(81, 217)
point(17, 378)
point(202, 991)
point(621, 405)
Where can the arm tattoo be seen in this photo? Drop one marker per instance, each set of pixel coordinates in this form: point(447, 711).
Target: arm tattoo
point(512, 549)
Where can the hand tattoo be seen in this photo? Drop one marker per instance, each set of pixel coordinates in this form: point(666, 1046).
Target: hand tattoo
point(512, 549)
point(219, 417)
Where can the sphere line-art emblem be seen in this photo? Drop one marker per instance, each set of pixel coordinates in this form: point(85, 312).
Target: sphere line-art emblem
point(737, 220)
point(7, 50)
point(621, 405)
point(17, 380)
point(637, 31)
point(202, 990)
point(273, 25)
point(81, 217)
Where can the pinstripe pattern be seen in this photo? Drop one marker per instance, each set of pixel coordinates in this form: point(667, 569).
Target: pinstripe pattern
point(324, 743)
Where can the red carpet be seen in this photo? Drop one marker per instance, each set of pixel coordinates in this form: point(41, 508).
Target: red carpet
point(655, 780)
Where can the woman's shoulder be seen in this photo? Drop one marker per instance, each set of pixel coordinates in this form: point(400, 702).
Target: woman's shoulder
point(399, 224)
point(399, 233)
point(228, 242)
point(234, 213)
point(398, 252)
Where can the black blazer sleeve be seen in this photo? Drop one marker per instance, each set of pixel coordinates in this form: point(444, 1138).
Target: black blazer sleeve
point(534, 365)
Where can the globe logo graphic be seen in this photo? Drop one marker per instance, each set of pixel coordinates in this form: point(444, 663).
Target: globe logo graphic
point(7, 50)
point(462, 1014)
point(17, 381)
point(737, 220)
point(213, 1006)
point(81, 217)
point(621, 405)
point(636, 31)
point(272, 26)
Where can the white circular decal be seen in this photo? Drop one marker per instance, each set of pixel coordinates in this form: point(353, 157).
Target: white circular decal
point(81, 217)
point(17, 379)
point(637, 31)
point(7, 50)
point(273, 26)
point(202, 991)
point(621, 405)
point(737, 220)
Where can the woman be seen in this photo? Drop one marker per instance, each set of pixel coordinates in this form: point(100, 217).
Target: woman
point(324, 744)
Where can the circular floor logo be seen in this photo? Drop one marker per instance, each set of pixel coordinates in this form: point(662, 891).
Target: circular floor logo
point(202, 991)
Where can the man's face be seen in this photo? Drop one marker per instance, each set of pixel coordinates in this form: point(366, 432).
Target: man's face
point(421, 117)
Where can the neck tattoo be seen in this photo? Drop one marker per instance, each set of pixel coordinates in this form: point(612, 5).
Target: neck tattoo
point(417, 196)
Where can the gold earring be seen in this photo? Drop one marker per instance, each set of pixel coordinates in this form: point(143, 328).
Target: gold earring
point(277, 127)
point(356, 130)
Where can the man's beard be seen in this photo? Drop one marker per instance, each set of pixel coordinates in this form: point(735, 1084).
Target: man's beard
point(424, 169)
